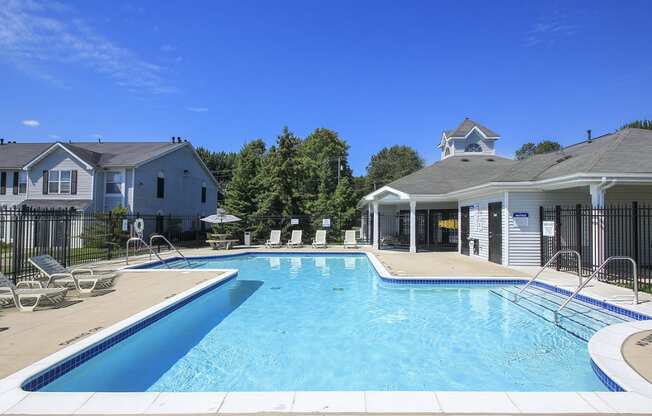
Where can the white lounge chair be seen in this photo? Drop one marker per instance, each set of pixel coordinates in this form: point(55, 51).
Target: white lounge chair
point(320, 239)
point(296, 239)
point(26, 300)
point(349, 239)
point(274, 239)
point(84, 280)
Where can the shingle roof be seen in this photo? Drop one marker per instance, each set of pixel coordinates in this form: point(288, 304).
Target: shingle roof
point(626, 151)
point(96, 154)
point(19, 154)
point(452, 174)
point(466, 126)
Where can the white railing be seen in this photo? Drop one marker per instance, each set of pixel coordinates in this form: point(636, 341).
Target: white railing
point(151, 251)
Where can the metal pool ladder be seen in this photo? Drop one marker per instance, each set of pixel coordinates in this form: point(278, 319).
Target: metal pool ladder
point(595, 273)
point(579, 269)
point(161, 237)
point(151, 250)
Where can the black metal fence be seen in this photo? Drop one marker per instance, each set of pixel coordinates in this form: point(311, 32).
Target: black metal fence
point(75, 237)
point(598, 233)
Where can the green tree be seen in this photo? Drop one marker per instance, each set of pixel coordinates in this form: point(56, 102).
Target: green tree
point(280, 180)
point(530, 149)
point(390, 164)
point(638, 124)
point(244, 187)
point(221, 165)
point(344, 207)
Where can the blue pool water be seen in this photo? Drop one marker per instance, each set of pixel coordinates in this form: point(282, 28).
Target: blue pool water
point(327, 322)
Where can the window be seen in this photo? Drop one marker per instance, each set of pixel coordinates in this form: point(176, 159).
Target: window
point(114, 183)
point(22, 182)
point(473, 147)
point(203, 193)
point(160, 186)
point(59, 181)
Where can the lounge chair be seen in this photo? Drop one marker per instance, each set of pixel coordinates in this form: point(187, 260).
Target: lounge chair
point(274, 239)
point(84, 280)
point(320, 239)
point(296, 239)
point(26, 300)
point(349, 239)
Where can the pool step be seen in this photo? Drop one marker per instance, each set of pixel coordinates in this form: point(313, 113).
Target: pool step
point(577, 318)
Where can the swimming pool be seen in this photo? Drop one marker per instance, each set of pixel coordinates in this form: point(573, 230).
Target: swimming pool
point(328, 322)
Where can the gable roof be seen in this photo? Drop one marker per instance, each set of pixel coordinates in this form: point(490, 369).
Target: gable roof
point(624, 152)
point(465, 128)
point(107, 154)
point(452, 174)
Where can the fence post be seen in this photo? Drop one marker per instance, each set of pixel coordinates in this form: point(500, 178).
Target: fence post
point(109, 252)
point(635, 241)
point(16, 262)
point(578, 233)
point(557, 233)
point(66, 238)
point(542, 261)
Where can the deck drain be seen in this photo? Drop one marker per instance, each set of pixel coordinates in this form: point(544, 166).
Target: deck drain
point(4, 328)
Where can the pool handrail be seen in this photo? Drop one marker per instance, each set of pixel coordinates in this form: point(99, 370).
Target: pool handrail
point(595, 273)
point(159, 236)
point(151, 251)
point(559, 252)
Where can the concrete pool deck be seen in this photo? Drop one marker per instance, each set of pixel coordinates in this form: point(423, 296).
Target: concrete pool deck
point(32, 336)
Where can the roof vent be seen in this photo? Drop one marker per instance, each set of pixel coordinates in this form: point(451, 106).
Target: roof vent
point(561, 159)
point(588, 136)
point(464, 160)
point(490, 159)
point(2, 141)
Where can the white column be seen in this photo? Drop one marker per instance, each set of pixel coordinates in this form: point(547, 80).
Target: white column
point(597, 224)
point(370, 230)
point(413, 226)
point(376, 226)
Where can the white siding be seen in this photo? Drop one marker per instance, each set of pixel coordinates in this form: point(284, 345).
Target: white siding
point(479, 222)
point(60, 160)
point(9, 199)
point(524, 242)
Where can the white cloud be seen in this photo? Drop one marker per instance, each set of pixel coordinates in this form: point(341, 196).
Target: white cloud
point(31, 123)
point(35, 34)
point(549, 31)
point(197, 109)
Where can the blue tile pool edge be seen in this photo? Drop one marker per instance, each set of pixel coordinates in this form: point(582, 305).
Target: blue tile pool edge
point(43, 378)
point(51, 373)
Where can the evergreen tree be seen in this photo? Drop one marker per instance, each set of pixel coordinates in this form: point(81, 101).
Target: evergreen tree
point(244, 187)
point(280, 181)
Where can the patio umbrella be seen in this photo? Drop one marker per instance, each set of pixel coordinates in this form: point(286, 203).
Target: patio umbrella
point(221, 218)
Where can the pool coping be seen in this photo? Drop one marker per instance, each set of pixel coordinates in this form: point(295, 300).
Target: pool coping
point(606, 361)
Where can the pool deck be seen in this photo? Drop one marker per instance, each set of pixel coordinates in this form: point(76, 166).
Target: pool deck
point(29, 337)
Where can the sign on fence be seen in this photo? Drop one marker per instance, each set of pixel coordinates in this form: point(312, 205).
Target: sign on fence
point(326, 222)
point(294, 221)
point(548, 228)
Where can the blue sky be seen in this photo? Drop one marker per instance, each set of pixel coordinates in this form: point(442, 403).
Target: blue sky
point(379, 72)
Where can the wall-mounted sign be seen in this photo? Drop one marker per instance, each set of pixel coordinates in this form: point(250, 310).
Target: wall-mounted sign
point(521, 219)
point(294, 221)
point(326, 222)
point(125, 225)
point(475, 216)
point(548, 228)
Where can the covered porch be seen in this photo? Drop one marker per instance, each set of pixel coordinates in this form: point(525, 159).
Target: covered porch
point(392, 220)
